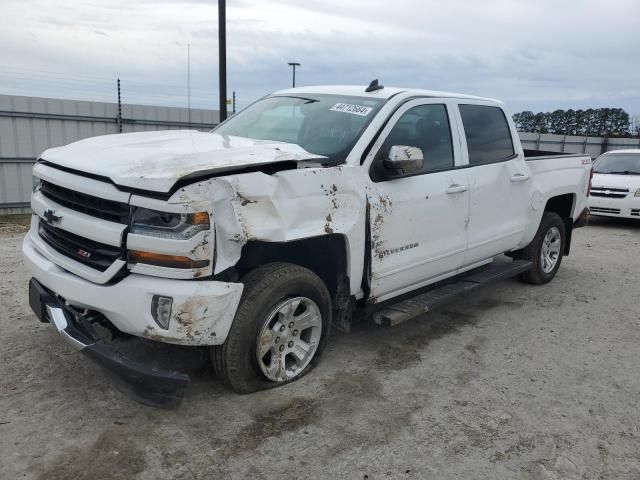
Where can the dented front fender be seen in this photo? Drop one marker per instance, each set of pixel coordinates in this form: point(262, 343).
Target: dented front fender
point(282, 207)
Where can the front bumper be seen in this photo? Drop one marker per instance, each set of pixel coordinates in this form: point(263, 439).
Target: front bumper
point(151, 386)
point(202, 311)
point(628, 207)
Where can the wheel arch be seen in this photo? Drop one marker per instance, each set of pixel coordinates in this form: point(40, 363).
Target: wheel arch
point(325, 255)
point(563, 205)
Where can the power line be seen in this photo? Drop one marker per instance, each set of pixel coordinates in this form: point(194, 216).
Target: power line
point(51, 73)
point(158, 100)
point(44, 83)
point(31, 85)
point(76, 83)
point(80, 79)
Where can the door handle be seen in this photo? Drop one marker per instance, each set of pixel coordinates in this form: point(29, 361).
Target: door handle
point(520, 177)
point(455, 188)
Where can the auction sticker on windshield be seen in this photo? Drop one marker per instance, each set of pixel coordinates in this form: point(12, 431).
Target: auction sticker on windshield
point(353, 109)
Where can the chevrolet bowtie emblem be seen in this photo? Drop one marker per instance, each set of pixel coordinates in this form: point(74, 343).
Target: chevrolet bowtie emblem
point(51, 217)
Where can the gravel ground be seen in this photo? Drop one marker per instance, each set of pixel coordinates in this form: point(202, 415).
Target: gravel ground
point(511, 382)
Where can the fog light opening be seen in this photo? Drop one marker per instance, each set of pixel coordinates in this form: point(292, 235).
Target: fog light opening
point(161, 310)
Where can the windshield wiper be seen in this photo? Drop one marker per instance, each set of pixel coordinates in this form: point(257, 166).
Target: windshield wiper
point(625, 172)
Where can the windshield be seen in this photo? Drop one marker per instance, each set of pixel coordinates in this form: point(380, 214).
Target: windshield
point(326, 125)
point(618, 163)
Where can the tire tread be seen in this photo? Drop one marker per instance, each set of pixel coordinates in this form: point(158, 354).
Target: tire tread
point(531, 252)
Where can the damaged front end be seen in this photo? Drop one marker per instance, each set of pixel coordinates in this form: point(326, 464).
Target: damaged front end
point(149, 385)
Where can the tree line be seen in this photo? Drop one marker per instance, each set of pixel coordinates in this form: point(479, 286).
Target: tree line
point(594, 122)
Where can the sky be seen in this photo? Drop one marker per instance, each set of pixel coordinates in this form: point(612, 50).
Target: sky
point(538, 55)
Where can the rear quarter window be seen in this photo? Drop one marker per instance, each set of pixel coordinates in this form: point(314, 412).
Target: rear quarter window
point(487, 132)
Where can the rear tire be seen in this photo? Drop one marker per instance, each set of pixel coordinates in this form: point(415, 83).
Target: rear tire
point(545, 250)
point(282, 302)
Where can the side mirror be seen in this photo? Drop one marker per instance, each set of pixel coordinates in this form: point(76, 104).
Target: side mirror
point(404, 158)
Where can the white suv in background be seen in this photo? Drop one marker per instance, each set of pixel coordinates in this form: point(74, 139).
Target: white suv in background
point(616, 184)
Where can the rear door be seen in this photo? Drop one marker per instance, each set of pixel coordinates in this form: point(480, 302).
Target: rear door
point(417, 220)
point(499, 178)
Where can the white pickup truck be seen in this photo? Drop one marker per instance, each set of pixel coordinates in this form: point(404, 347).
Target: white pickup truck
point(257, 238)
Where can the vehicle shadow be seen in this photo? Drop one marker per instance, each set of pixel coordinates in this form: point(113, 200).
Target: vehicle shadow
point(381, 349)
point(612, 222)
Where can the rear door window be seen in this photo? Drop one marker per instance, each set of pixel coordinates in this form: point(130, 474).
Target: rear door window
point(487, 132)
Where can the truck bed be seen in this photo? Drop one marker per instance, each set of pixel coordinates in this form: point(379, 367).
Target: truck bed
point(530, 155)
point(567, 174)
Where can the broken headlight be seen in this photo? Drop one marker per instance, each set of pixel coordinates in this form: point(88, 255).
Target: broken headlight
point(177, 226)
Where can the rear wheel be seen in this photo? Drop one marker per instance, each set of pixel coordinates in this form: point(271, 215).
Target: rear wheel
point(545, 251)
point(279, 330)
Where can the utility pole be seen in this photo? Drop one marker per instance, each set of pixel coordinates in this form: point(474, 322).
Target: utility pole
point(294, 65)
point(189, 84)
point(119, 119)
point(222, 58)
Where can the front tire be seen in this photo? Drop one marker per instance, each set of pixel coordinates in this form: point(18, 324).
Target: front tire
point(280, 329)
point(545, 250)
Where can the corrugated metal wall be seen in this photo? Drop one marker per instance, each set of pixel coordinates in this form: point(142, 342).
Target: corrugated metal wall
point(593, 146)
point(30, 125)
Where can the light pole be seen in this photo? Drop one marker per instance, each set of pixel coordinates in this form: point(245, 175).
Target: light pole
point(222, 58)
point(189, 83)
point(294, 65)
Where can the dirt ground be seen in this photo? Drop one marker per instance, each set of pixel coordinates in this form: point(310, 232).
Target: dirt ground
point(511, 382)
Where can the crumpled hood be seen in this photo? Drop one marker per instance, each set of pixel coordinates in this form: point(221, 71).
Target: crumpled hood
point(605, 180)
point(155, 161)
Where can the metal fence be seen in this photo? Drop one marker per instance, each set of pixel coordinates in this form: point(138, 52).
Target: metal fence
point(30, 125)
point(593, 146)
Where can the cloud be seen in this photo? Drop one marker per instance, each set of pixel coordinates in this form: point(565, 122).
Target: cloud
point(534, 54)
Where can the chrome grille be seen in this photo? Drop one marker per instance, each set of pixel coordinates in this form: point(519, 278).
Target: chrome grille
point(614, 211)
point(609, 192)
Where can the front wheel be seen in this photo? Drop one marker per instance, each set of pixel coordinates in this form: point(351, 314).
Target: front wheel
point(545, 250)
point(279, 330)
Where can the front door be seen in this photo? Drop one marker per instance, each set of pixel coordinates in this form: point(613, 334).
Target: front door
point(417, 219)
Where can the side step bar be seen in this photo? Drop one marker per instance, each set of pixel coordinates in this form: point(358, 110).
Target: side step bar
point(412, 307)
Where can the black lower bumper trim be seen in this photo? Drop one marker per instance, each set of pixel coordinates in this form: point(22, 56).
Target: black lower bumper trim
point(150, 386)
point(153, 387)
